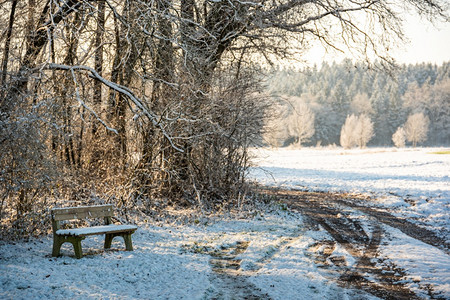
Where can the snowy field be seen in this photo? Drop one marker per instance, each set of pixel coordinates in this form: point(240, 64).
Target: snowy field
point(273, 254)
point(411, 183)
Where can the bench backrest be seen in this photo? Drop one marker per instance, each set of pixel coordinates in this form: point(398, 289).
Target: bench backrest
point(82, 212)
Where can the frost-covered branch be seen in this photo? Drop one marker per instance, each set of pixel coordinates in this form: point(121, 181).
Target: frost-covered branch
point(123, 90)
point(82, 103)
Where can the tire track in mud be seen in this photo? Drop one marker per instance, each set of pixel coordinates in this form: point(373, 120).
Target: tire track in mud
point(228, 280)
point(362, 243)
point(408, 228)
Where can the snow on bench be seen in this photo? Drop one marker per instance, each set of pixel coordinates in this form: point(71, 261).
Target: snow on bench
point(76, 235)
point(95, 230)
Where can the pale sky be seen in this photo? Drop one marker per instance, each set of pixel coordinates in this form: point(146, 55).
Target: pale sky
point(428, 43)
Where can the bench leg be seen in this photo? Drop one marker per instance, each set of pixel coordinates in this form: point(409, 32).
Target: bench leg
point(77, 248)
point(75, 241)
point(126, 237)
point(57, 242)
point(108, 240)
point(128, 242)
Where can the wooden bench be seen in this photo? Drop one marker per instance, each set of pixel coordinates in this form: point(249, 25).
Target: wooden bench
point(76, 235)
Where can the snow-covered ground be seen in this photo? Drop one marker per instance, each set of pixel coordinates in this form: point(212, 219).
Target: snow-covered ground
point(174, 262)
point(411, 183)
point(279, 250)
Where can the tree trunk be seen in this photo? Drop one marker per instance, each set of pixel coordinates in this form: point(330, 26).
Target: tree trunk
point(38, 39)
point(98, 58)
point(162, 95)
point(125, 59)
point(8, 42)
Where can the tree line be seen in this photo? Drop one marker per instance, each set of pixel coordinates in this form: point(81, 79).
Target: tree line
point(338, 102)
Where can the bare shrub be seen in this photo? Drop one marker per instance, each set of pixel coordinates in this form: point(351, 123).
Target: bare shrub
point(214, 139)
point(28, 170)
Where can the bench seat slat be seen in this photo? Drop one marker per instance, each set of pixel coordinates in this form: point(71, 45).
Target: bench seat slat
point(65, 210)
point(82, 212)
point(96, 230)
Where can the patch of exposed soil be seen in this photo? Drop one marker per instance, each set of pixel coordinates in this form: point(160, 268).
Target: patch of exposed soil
point(336, 214)
point(307, 200)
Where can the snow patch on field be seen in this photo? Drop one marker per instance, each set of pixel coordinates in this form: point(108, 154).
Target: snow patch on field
point(425, 265)
point(411, 183)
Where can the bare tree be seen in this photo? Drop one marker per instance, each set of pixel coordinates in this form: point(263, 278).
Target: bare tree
point(348, 139)
point(433, 101)
point(356, 131)
point(8, 42)
point(301, 123)
point(275, 128)
point(416, 128)
point(98, 60)
point(363, 131)
point(399, 137)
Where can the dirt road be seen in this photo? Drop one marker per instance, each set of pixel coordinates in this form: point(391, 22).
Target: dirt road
point(341, 218)
point(358, 247)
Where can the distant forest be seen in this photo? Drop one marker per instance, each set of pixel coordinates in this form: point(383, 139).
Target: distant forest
point(335, 91)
